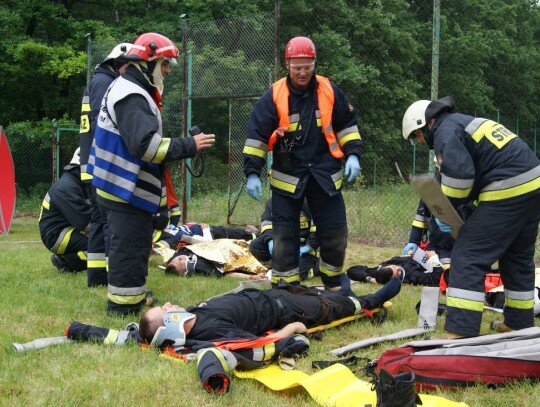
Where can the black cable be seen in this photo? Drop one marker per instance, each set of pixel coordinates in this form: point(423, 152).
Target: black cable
point(198, 163)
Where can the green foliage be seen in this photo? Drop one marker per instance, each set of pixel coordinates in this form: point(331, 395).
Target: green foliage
point(378, 52)
point(61, 61)
point(36, 133)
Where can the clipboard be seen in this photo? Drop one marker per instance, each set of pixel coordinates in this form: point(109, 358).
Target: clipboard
point(439, 205)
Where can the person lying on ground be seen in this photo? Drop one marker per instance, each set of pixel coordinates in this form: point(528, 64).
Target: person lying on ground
point(219, 258)
point(192, 232)
point(427, 272)
point(251, 313)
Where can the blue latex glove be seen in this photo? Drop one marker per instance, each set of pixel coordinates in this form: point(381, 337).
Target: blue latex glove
point(408, 247)
point(352, 168)
point(254, 186)
point(270, 246)
point(305, 249)
point(445, 227)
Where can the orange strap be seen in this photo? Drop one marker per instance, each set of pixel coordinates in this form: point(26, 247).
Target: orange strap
point(234, 344)
point(172, 199)
point(325, 96)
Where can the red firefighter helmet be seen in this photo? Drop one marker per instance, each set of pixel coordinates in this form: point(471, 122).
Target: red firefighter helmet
point(150, 46)
point(300, 47)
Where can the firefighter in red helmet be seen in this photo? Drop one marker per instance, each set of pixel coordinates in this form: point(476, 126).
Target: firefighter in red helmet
point(127, 161)
point(311, 128)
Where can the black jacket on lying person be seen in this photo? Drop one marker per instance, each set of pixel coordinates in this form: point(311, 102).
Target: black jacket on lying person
point(415, 273)
point(251, 313)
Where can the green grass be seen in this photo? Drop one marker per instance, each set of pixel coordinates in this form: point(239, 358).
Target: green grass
point(37, 301)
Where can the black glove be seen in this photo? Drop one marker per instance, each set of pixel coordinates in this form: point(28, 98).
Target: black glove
point(292, 346)
point(174, 220)
point(160, 221)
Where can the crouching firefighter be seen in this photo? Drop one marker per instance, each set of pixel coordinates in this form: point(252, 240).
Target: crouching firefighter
point(64, 219)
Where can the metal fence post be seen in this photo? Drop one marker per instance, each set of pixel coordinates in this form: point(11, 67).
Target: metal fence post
point(88, 56)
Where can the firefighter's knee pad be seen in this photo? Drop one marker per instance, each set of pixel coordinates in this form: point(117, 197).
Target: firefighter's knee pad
point(333, 246)
point(286, 244)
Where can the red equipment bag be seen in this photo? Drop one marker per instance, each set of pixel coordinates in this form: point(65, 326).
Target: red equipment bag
point(491, 359)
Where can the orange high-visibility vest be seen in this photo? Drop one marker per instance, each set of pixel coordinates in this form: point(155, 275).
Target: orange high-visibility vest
point(325, 95)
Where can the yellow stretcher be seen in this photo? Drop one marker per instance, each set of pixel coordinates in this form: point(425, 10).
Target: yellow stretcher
point(335, 386)
point(378, 315)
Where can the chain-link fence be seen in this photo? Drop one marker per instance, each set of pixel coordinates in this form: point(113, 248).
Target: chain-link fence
point(224, 67)
point(40, 151)
point(233, 64)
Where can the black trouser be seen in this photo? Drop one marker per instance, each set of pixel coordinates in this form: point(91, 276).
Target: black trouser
point(308, 264)
point(506, 231)
point(97, 238)
point(309, 309)
point(74, 255)
point(222, 232)
point(130, 243)
point(329, 216)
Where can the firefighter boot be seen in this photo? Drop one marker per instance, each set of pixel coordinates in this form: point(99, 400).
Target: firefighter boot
point(396, 391)
point(60, 263)
point(500, 326)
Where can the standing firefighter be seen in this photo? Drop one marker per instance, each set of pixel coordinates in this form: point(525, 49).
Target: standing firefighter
point(127, 163)
point(482, 160)
point(309, 125)
point(104, 74)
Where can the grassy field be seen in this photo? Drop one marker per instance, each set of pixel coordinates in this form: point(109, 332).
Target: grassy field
point(37, 301)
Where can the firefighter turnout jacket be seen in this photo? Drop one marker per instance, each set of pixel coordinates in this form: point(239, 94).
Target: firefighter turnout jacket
point(91, 103)
point(307, 131)
point(484, 161)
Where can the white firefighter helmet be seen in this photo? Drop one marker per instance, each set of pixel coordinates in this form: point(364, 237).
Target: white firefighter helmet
point(414, 117)
point(76, 159)
point(118, 50)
